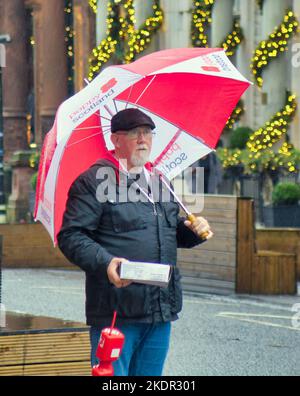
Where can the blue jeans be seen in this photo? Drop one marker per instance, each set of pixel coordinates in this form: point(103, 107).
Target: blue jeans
point(144, 351)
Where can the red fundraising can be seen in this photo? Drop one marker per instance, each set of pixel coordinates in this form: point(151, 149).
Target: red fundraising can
point(108, 350)
point(110, 344)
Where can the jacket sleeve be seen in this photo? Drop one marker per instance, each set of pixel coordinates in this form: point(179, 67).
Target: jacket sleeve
point(81, 218)
point(186, 238)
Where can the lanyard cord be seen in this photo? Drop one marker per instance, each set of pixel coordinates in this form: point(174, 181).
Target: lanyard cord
point(149, 182)
point(147, 195)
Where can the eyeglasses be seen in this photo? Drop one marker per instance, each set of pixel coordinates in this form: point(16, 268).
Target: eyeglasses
point(133, 134)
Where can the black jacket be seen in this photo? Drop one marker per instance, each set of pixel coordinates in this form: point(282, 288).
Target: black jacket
point(93, 233)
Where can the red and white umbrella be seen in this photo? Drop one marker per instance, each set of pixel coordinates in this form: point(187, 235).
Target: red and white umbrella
point(189, 93)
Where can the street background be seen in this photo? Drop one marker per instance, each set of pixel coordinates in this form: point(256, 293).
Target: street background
point(215, 335)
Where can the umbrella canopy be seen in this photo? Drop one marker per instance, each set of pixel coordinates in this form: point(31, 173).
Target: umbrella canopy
point(189, 93)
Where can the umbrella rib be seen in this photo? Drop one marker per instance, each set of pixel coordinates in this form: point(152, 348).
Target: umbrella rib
point(145, 89)
point(105, 118)
point(128, 97)
point(115, 104)
point(91, 127)
point(108, 110)
point(106, 132)
point(81, 140)
point(100, 116)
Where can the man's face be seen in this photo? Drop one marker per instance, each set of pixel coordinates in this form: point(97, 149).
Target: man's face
point(134, 145)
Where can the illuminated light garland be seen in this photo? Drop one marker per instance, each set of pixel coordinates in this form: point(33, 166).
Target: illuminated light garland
point(104, 51)
point(69, 39)
point(201, 19)
point(139, 39)
point(229, 157)
point(93, 4)
point(264, 138)
point(271, 48)
point(287, 159)
point(259, 156)
point(127, 27)
point(230, 44)
point(273, 130)
point(122, 37)
point(233, 39)
point(236, 115)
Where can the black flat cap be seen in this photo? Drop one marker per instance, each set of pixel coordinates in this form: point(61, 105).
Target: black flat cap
point(128, 119)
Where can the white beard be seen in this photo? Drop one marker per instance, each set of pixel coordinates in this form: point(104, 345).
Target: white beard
point(141, 158)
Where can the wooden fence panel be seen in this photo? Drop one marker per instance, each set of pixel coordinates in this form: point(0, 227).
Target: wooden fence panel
point(47, 353)
point(211, 266)
point(274, 273)
point(280, 240)
point(30, 246)
point(245, 237)
point(261, 272)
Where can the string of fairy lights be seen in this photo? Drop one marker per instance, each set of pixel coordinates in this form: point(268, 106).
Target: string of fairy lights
point(276, 128)
point(140, 38)
point(201, 19)
point(260, 150)
point(230, 45)
point(285, 158)
point(273, 130)
point(236, 115)
point(104, 51)
point(69, 39)
point(94, 5)
point(233, 39)
point(122, 36)
point(270, 49)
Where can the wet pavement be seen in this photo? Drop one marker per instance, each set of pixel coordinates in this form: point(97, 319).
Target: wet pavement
point(22, 323)
point(215, 335)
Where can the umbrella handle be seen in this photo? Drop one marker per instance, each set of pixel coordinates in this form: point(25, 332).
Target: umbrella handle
point(192, 218)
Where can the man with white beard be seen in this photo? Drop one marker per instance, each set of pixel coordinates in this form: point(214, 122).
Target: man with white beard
point(99, 232)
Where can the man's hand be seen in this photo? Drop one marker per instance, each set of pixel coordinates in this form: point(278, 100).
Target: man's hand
point(199, 226)
point(113, 274)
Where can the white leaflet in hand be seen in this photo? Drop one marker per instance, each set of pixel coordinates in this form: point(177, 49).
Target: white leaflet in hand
point(148, 273)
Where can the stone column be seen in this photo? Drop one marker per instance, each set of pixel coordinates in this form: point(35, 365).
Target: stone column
point(222, 21)
point(18, 202)
point(143, 9)
point(101, 25)
point(84, 21)
point(249, 18)
point(15, 77)
point(50, 63)
point(176, 31)
point(295, 77)
point(275, 76)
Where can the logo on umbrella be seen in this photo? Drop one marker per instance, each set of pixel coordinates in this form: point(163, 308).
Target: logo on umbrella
point(110, 84)
point(211, 69)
